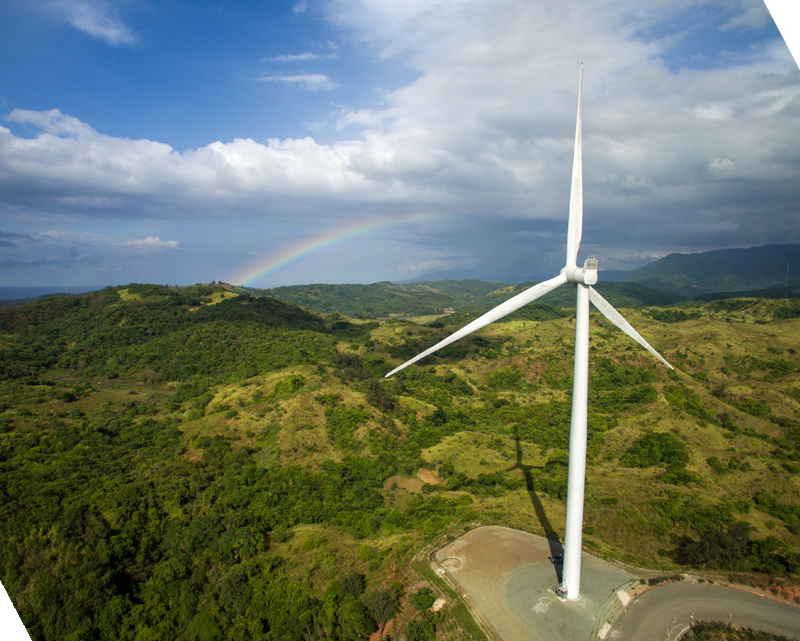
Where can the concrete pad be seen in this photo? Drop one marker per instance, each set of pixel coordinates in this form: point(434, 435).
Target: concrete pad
point(510, 579)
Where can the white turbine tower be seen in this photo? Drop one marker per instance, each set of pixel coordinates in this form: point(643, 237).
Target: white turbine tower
point(582, 278)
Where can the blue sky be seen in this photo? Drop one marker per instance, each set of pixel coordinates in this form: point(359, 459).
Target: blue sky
point(187, 141)
point(187, 73)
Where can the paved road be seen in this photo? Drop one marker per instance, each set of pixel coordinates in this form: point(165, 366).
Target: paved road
point(661, 614)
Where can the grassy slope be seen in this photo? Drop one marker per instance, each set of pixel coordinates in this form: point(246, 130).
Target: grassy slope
point(700, 346)
point(725, 349)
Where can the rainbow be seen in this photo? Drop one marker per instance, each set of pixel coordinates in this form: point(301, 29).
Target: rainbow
point(264, 268)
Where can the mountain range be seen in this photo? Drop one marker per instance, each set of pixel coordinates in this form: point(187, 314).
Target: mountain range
point(677, 278)
point(722, 270)
point(769, 271)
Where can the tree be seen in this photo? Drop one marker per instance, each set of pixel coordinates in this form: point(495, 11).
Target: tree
point(736, 540)
point(381, 605)
point(354, 623)
point(422, 629)
point(716, 546)
point(353, 583)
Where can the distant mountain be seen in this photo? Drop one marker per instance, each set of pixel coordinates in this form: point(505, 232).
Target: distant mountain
point(721, 270)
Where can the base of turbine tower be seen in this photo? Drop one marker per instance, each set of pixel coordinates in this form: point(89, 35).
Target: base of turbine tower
point(562, 592)
point(508, 578)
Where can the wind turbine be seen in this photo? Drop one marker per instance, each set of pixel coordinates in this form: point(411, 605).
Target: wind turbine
point(583, 278)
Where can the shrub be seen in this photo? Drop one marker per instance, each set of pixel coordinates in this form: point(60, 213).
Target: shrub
point(281, 533)
point(289, 385)
point(681, 398)
point(655, 448)
point(424, 599)
point(422, 629)
point(352, 583)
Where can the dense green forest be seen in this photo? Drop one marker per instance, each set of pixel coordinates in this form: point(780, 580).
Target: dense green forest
point(385, 299)
point(200, 463)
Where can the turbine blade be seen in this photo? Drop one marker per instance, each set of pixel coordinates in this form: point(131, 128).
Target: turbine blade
point(615, 317)
point(575, 226)
point(511, 305)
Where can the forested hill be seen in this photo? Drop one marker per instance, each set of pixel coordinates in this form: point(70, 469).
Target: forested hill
point(386, 299)
point(722, 270)
point(158, 334)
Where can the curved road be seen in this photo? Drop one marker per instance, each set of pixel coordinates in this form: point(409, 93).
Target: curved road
point(663, 613)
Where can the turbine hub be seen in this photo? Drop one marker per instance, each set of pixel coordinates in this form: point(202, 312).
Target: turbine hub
point(586, 275)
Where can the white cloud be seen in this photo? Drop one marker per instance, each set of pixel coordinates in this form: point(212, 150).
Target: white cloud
point(52, 122)
point(720, 165)
point(151, 241)
point(70, 165)
point(399, 25)
point(95, 19)
point(313, 81)
point(298, 57)
point(69, 238)
point(363, 117)
point(754, 14)
point(306, 55)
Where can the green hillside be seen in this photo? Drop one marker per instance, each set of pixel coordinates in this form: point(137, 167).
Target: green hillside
point(723, 270)
point(385, 299)
point(555, 304)
point(435, 298)
point(618, 294)
point(199, 464)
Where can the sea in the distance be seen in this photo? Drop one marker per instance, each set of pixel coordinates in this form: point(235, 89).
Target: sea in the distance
point(16, 293)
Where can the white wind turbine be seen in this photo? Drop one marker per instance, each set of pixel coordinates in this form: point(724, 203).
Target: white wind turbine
point(582, 278)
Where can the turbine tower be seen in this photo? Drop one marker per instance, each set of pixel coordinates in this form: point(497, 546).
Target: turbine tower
point(583, 278)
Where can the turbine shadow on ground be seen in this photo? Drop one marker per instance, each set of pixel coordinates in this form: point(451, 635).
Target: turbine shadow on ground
point(553, 539)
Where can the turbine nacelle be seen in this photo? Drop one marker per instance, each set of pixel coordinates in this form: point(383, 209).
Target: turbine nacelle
point(586, 275)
